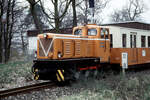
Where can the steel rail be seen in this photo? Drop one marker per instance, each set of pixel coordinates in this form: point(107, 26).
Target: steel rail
point(25, 89)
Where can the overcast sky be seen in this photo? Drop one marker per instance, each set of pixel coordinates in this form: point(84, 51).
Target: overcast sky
point(116, 4)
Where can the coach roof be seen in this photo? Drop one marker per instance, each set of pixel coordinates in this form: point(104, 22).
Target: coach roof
point(130, 24)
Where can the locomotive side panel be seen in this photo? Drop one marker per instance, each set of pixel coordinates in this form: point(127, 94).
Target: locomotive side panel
point(102, 50)
point(107, 51)
point(68, 48)
point(58, 48)
point(78, 52)
point(89, 48)
point(75, 48)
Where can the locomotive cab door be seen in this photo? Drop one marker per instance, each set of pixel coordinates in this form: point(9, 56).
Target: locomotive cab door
point(133, 45)
point(92, 34)
point(104, 45)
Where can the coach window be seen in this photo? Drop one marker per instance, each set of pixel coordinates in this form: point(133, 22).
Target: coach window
point(102, 33)
point(124, 40)
point(92, 32)
point(148, 41)
point(134, 41)
point(78, 32)
point(106, 34)
point(143, 41)
point(111, 40)
point(131, 41)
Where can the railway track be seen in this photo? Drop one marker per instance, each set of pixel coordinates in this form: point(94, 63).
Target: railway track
point(25, 89)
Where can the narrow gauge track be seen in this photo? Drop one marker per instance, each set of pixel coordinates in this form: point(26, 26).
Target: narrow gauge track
point(26, 89)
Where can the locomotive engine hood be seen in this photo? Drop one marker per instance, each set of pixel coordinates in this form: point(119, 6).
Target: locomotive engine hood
point(46, 42)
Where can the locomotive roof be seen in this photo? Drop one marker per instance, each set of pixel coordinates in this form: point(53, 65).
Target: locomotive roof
point(130, 24)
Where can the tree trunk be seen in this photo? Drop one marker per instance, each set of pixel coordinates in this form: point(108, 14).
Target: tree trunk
point(56, 16)
point(35, 18)
point(86, 12)
point(57, 25)
point(8, 27)
point(23, 43)
point(6, 31)
point(74, 13)
point(1, 32)
point(1, 51)
point(7, 53)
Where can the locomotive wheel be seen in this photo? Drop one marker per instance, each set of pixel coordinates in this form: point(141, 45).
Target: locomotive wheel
point(95, 74)
point(87, 73)
point(77, 75)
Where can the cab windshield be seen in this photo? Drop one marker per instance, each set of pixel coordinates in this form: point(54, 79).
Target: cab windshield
point(78, 32)
point(92, 32)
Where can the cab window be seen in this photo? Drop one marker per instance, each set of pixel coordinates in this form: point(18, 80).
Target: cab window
point(78, 32)
point(106, 34)
point(92, 32)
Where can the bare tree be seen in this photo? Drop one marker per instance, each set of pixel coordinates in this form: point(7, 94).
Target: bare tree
point(60, 9)
point(84, 11)
point(131, 12)
point(33, 10)
point(71, 16)
point(6, 27)
point(2, 4)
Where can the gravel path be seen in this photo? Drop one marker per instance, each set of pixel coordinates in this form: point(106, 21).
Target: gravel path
point(47, 94)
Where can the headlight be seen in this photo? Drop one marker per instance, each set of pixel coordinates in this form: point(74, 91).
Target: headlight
point(45, 35)
point(35, 54)
point(59, 55)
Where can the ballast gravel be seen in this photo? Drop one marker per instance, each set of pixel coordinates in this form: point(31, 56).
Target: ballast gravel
point(46, 94)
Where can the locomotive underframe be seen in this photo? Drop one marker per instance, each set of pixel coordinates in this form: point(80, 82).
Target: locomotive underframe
point(47, 69)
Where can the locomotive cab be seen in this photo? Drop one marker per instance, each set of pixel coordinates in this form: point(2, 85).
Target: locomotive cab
point(58, 54)
point(100, 37)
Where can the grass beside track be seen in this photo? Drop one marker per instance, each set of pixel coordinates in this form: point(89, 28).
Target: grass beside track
point(10, 72)
point(135, 87)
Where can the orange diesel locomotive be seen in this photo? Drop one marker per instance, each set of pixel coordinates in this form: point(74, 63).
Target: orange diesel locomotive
point(60, 56)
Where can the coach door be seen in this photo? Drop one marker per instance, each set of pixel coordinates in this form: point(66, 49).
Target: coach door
point(133, 39)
